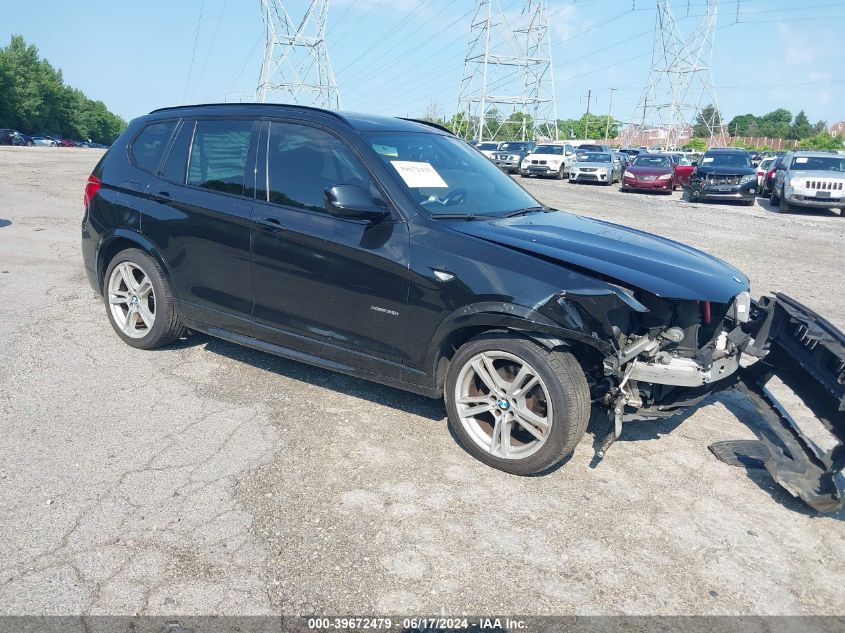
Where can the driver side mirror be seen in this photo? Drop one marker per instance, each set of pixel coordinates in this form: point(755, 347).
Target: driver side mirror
point(694, 163)
point(353, 203)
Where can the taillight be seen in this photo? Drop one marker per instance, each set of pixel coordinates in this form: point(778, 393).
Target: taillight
point(771, 174)
point(91, 188)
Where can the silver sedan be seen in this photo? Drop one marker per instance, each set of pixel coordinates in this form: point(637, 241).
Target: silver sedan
point(596, 167)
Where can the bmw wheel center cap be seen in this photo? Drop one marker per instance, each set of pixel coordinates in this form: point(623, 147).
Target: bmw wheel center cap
point(504, 405)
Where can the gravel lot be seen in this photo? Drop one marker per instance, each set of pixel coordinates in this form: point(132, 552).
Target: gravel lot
point(207, 478)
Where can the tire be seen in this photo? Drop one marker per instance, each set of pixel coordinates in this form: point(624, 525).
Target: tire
point(748, 203)
point(561, 392)
point(153, 301)
point(785, 207)
point(774, 199)
point(559, 175)
point(521, 175)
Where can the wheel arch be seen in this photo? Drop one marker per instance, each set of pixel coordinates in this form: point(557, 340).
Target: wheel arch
point(471, 321)
point(120, 240)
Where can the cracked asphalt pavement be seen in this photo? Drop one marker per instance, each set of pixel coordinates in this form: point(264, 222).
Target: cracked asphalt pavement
point(206, 478)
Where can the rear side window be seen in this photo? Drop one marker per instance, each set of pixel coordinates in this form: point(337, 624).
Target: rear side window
point(148, 147)
point(218, 155)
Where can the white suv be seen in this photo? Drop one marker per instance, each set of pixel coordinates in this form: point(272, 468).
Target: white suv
point(548, 159)
point(810, 179)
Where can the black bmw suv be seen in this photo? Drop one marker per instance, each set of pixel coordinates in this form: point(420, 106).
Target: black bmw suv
point(724, 174)
point(391, 250)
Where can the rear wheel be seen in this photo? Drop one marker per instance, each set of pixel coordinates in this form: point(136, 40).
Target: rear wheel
point(785, 207)
point(775, 199)
point(139, 301)
point(514, 405)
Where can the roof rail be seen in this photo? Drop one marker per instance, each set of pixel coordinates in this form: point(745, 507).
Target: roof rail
point(252, 104)
point(429, 124)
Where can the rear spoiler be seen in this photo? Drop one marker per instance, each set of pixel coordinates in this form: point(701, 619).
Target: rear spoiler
point(803, 352)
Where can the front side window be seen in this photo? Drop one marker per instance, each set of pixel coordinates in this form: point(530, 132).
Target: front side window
point(302, 162)
point(148, 147)
point(444, 175)
point(219, 154)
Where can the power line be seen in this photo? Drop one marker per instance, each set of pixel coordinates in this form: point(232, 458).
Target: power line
point(213, 41)
point(194, 53)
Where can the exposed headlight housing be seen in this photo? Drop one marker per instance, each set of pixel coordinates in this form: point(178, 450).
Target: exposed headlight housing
point(664, 177)
point(628, 174)
point(747, 180)
point(740, 308)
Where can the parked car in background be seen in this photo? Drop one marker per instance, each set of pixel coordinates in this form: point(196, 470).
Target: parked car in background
point(25, 139)
point(724, 174)
point(684, 169)
point(596, 167)
point(631, 152)
point(623, 158)
point(548, 159)
point(810, 179)
point(7, 136)
point(584, 147)
point(66, 142)
point(650, 172)
point(509, 155)
point(763, 169)
point(769, 178)
point(43, 141)
point(487, 148)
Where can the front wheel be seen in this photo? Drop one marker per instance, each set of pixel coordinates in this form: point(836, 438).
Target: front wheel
point(515, 405)
point(139, 301)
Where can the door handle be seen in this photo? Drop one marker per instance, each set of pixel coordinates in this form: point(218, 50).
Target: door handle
point(271, 223)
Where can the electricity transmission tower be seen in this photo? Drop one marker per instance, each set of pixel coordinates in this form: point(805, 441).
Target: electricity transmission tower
point(296, 66)
point(680, 83)
point(508, 68)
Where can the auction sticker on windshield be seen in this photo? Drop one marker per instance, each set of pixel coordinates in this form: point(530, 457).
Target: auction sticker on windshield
point(418, 174)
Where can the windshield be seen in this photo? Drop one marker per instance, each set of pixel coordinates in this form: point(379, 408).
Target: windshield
point(652, 161)
point(445, 175)
point(514, 147)
point(549, 149)
point(764, 164)
point(590, 148)
point(727, 160)
point(818, 163)
point(593, 157)
point(487, 145)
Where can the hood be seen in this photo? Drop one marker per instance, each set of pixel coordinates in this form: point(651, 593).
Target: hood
point(642, 170)
point(634, 258)
point(725, 171)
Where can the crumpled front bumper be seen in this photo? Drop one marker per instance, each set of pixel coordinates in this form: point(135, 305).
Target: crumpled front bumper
point(804, 355)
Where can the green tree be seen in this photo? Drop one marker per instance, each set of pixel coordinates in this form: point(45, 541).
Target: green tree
point(820, 126)
point(822, 141)
point(801, 127)
point(708, 118)
point(35, 99)
point(696, 145)
point(776, 123)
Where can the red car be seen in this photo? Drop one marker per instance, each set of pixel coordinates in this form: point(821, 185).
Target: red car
point(650, 172)
point(684, 169)
point(65, 142)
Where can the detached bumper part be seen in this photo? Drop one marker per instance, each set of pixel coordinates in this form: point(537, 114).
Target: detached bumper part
point(807, 354)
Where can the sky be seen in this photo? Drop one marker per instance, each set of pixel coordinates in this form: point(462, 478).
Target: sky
point(397, 57)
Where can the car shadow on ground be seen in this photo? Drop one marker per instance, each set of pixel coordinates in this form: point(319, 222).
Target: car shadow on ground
point(766, 205)
point(4, 223)
point(357, 387)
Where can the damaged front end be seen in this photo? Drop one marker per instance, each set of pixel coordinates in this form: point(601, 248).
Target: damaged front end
point(669, 355)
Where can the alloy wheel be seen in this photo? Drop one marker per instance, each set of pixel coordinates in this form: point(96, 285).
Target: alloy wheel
point(503, 404)
point(132, 300)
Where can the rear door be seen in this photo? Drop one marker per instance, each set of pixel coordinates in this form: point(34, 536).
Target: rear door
point(329, 286)
point(198, 216)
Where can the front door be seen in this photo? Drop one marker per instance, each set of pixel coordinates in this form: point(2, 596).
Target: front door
point(332, 287)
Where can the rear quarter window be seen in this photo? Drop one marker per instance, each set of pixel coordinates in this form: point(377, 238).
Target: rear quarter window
point(148, 147)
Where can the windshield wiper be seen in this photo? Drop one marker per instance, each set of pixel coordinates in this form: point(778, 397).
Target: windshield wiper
point(525, 211)
point(460, 216)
